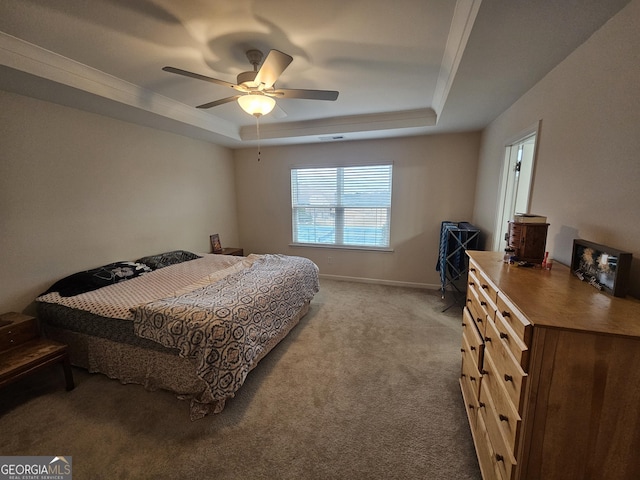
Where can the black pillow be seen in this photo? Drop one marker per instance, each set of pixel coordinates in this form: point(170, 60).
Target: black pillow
point(95, 278)
point(168, 258)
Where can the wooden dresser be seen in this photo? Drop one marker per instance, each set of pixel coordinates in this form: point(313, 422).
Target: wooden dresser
point(550, 374)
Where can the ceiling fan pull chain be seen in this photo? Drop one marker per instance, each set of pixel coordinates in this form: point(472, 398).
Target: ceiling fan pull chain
point(258, 129)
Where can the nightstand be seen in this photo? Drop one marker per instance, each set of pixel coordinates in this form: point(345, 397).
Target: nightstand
point(232, 251)
point(23, 351)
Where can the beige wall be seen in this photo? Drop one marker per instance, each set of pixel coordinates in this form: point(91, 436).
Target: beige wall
point(79, 190)
point(588, 161)
point(433, 180)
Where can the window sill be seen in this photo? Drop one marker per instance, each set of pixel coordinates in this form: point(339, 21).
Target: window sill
point(342, 247)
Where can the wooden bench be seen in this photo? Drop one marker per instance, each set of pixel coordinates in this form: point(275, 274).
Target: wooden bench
point(23, 351)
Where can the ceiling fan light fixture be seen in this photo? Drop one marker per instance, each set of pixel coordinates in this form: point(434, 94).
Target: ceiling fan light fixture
point(256, 105)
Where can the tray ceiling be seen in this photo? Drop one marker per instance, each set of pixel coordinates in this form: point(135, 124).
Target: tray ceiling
point(402, 68)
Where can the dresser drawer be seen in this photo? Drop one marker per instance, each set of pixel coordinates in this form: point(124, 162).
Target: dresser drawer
point(470, 371)
point(472, 277)
point(487, 304)
point(483, 448)
point(503, 415)
point(483, 282)
point(516, 320)
point(477, 311)
point(501, 445)
point(500, 331)
point(480, 306)
point(472, 336)
point(505, 387)
point(471, 401)
point(24, 329)
point(473, 302)
point(487, 457)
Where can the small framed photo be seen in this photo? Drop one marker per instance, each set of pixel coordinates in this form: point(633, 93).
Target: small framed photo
point(603, 267)
point(216, 246)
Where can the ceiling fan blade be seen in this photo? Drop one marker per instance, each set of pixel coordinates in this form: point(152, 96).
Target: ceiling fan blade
point(218, 102)
point(201, 77)
point(272, 68)
point(330, 95)
point(278, 112)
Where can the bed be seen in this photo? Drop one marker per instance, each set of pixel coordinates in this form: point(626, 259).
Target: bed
point(192, 324)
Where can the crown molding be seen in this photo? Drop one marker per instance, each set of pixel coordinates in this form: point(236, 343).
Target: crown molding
point(34, 60)
point(425, 117)
point(462, 22)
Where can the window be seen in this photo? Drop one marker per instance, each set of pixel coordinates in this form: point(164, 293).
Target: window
point(345, 206)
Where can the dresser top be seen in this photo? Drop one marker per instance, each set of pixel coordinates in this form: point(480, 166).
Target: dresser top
point(556, 298)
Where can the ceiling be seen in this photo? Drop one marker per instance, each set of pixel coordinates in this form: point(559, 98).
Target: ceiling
point(405, 67)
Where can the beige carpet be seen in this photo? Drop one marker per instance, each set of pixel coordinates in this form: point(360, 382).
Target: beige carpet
point(365, 387)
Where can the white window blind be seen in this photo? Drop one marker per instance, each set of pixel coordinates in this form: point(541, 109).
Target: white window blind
point(349, 206)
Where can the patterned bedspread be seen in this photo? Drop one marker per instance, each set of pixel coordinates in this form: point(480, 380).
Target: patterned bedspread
point(229, 325)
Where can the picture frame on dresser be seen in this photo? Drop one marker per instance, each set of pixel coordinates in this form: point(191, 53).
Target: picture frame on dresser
point(603, 267)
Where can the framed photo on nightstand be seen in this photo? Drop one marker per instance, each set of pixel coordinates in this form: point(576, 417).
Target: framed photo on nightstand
point(216, 246)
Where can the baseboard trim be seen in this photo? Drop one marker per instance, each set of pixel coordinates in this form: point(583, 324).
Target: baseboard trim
point(392, 283)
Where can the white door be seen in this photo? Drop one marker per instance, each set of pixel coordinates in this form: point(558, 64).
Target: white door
point(517, 178)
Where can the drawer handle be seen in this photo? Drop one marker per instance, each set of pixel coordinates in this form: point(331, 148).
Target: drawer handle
point(503, 335)
point(479, 320)
point(471, 284)
point(484, 372)
point(508, 378)
point(464, 324)
point(462, 350)
point(503, 418)
point(473, 270)
point(485, 286)
point(483, 303)
point(506, 314)
point(468, 300)
point(463, 375)
point(487, 339)
point(472, 348)
point(473, 379)
point(481, 405)
point(471, 406)
point(499, 457)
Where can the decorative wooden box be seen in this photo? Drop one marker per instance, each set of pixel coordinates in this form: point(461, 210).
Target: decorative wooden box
point(528, 240)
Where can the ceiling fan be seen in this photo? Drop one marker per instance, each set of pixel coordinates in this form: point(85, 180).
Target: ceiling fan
point(257, 87)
